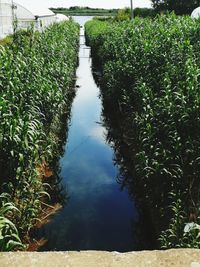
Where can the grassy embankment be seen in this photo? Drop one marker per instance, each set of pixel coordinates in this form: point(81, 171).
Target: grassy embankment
point(36, 90)
point(151, 93)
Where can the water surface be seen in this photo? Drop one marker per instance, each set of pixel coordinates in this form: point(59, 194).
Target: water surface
point(98, 215)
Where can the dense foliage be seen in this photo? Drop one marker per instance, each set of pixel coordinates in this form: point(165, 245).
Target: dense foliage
point(144, 12)
point(151, 86)
point(125, 14)
point(36, 81)
point(95, 32)
point(180, 7)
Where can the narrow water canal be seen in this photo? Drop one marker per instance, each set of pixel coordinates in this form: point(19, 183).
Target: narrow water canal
point(98, 215)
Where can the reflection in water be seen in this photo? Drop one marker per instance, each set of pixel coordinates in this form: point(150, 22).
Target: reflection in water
point(98, 215)
point(115, 121)
point(143, 228)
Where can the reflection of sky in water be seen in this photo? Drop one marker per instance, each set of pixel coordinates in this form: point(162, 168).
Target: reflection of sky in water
point(98, 215)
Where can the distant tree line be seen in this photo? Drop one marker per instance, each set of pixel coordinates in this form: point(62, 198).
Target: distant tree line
point(180, 7)
point(144, 12)
point(124, 14)
point(82, 8)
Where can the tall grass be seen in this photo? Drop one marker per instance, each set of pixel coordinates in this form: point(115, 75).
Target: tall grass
point(151, 81)
point(36, 81)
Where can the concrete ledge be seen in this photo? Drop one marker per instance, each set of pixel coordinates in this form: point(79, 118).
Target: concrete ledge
point(175, 257)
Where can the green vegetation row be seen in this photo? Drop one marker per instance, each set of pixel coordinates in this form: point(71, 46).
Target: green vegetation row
point(36, 90)
point(151, 92)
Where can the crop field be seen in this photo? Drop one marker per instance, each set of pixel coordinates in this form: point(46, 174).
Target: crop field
point(37, 73)
point(151, 89)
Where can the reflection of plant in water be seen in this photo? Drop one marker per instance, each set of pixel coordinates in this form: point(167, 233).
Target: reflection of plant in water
point(58, 191)
point(143, 229)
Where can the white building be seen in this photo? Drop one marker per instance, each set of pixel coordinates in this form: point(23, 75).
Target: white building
point(25, 15)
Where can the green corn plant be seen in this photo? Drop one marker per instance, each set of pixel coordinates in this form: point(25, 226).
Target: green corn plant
point(9, 236)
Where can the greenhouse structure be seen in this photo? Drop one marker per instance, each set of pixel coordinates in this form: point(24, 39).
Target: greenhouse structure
point(61, 17)
point(6, 18)
point(24, 16)
point(196, 13)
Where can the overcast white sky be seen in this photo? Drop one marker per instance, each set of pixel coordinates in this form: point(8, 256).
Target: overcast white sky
point(90, 3)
